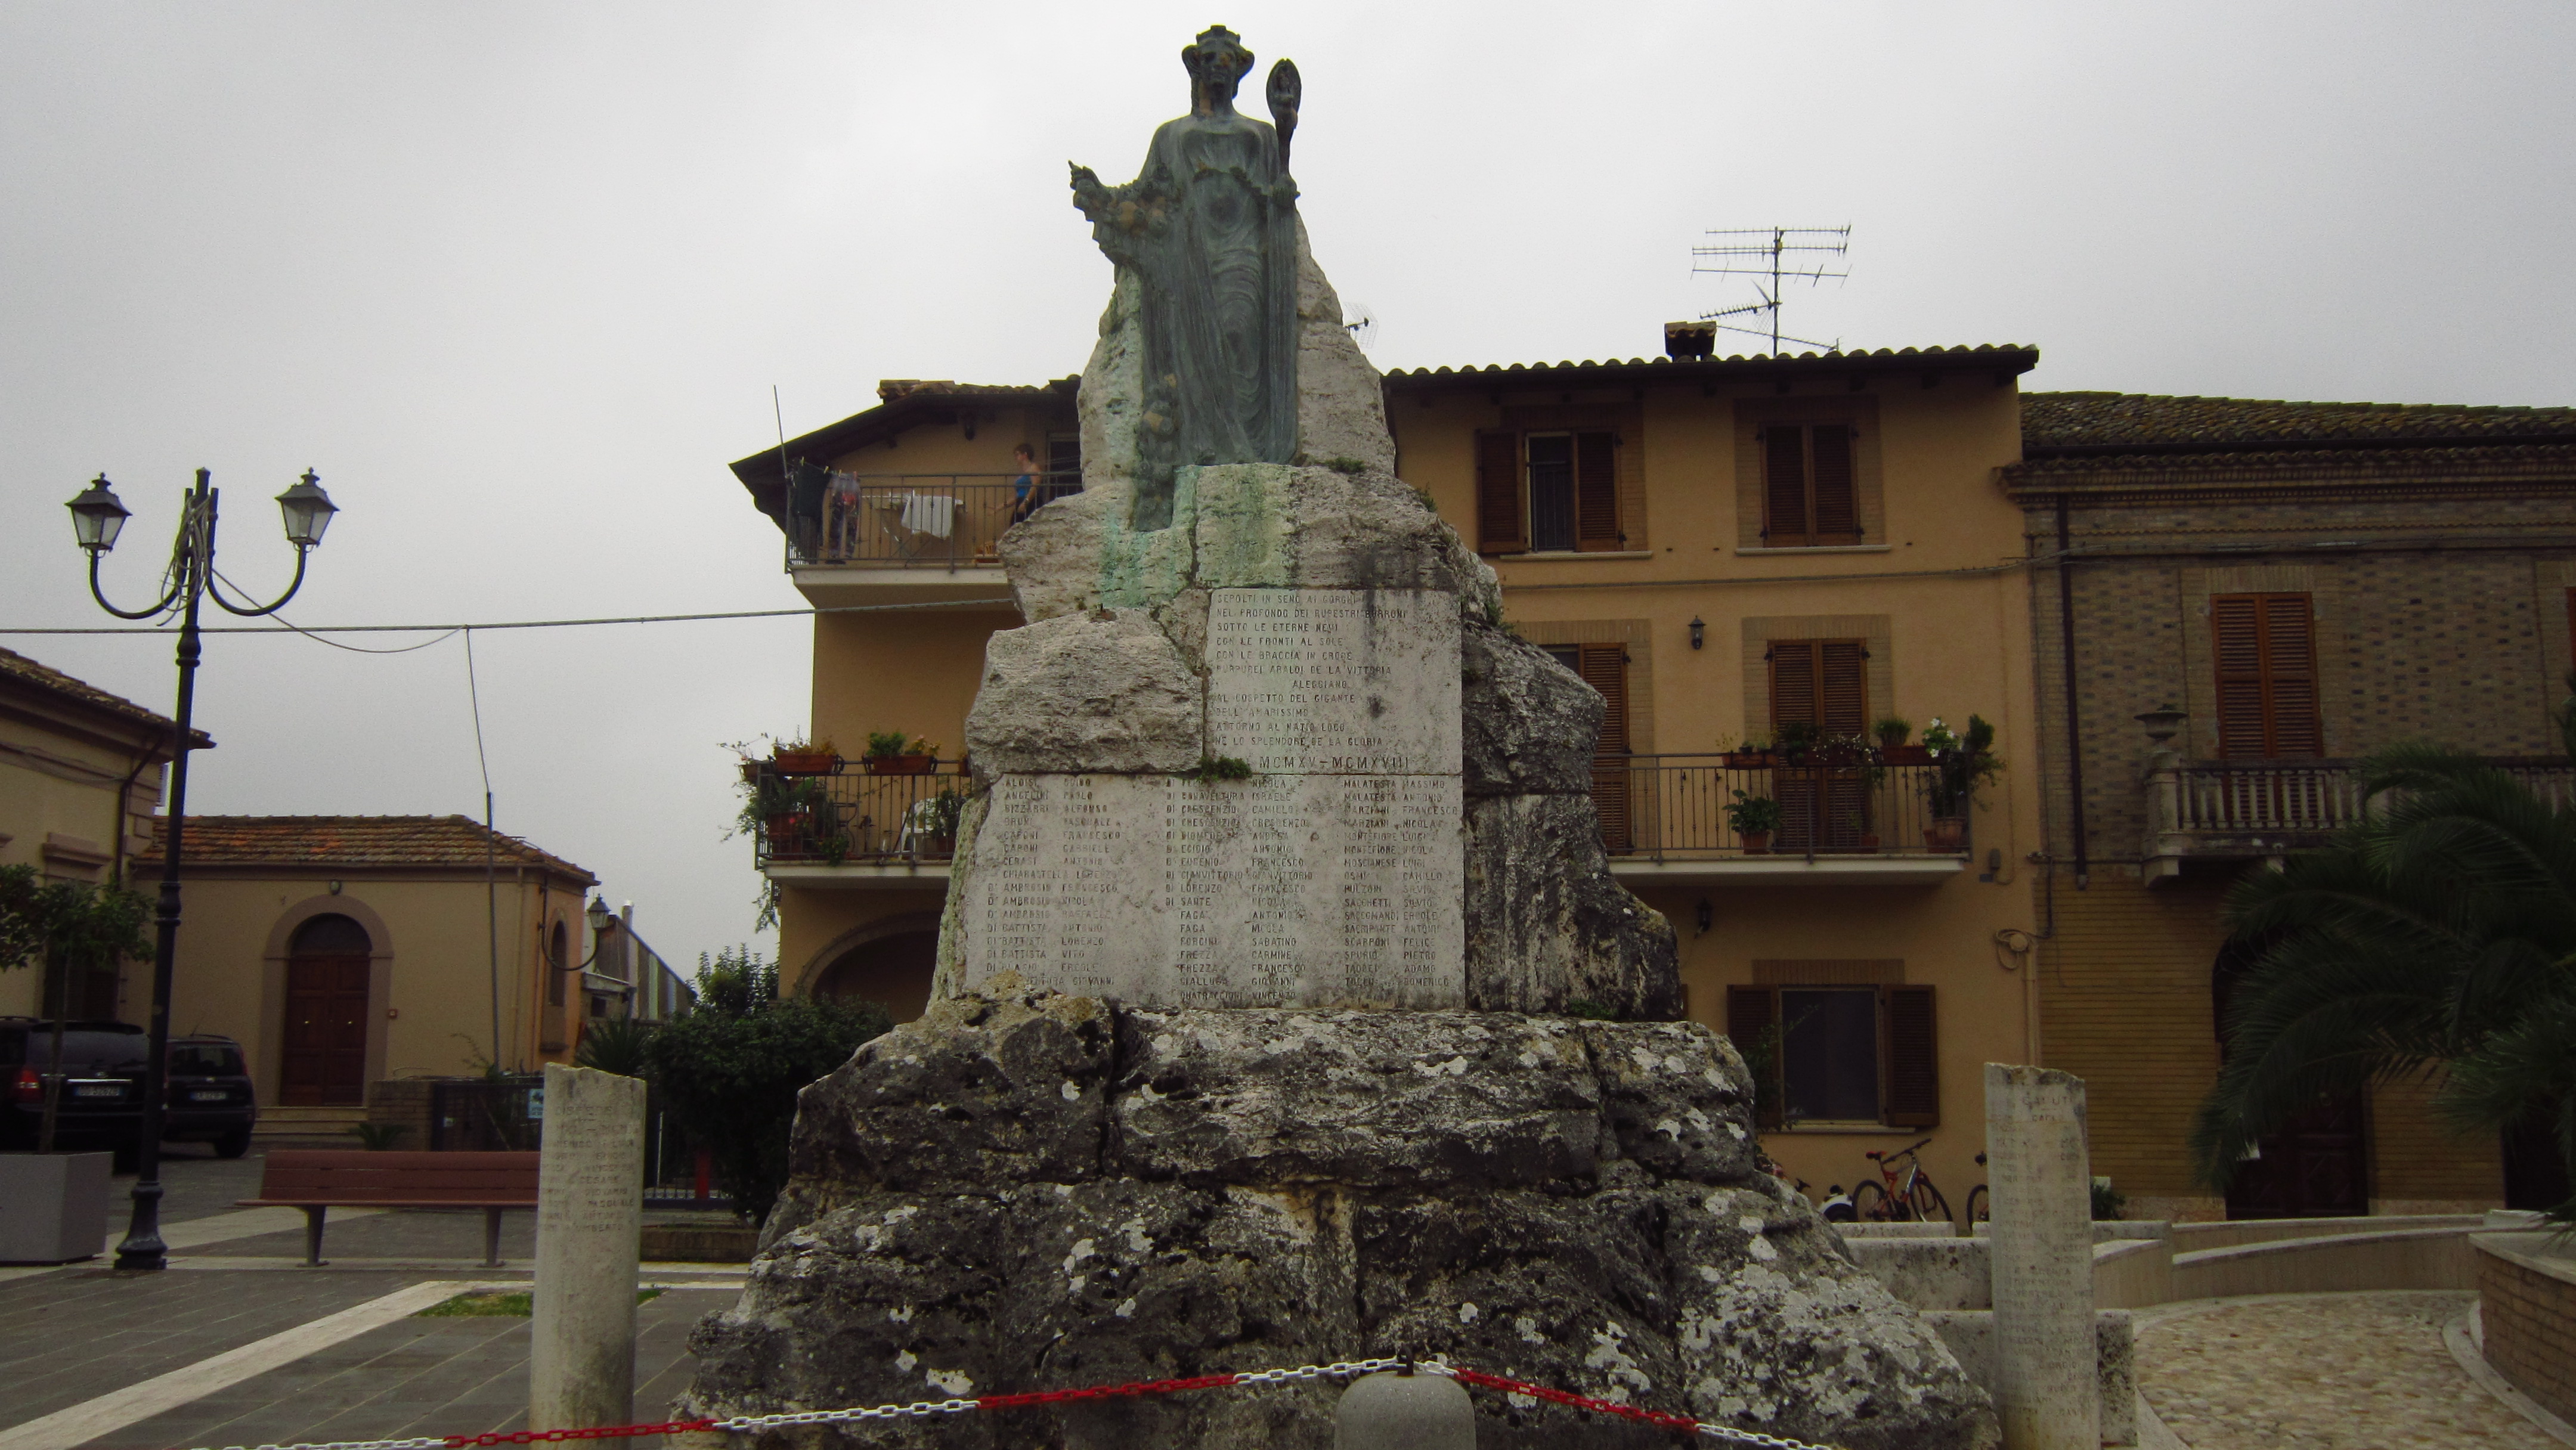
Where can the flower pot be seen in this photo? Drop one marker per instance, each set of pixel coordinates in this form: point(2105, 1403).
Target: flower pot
point(1946, 834)
point(1756, 843)
point(818, 762)
point(1869, 841)
point(1748, 759)
point(53, 1206)
point(902, 764)
point(939, 845)
point(1905, 755)
point(783, 830)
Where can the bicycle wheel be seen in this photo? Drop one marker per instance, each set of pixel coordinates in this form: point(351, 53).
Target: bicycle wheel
point(1979, 1211)
point(1928, 1204)
point(1870, 1203)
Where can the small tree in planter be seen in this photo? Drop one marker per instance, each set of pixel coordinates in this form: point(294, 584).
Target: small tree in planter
point(70, 927)
point(1962, 763)
point(729, 1070)
point(1754, 818)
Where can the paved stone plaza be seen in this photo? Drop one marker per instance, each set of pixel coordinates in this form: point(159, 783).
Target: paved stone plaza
point(2320, 1372)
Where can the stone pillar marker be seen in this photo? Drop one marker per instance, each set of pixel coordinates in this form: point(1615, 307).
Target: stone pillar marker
point(2040, 1180)
point(590, 1212)
point(1404, 1410)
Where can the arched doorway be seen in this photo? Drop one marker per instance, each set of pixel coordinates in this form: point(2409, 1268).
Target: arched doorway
point(2318, 1165)
point(323, 1052)
point(892, 970)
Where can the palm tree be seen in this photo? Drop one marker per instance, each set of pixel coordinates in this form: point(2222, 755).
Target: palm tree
point(2435, 941)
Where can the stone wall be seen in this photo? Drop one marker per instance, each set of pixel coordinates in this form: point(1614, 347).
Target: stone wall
point(2527, 1314)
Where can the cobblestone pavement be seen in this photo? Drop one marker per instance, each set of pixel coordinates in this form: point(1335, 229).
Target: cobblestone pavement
point(2322, 1372)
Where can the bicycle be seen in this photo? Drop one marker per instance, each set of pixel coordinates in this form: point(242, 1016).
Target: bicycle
point(1979, 1210)
point(1904, 1195)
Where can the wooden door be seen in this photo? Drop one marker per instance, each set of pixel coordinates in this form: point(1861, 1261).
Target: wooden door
point(1821, 684)
point(323, 1055)
point(2318, 1165)
point(1605, 668)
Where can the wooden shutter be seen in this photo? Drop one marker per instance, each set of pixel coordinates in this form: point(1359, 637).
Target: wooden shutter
point(1836, 490)
point(1750, 1011)
point(1501, 525)
point(1913, 1058)
point(2267, 675)
point(1784, 486)
point(1596, 492)
point(1605, 668)
point(1842, 687)
point(1793, 684)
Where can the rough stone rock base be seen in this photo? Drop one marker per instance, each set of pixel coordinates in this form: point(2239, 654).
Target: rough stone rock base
point(1031, 1192)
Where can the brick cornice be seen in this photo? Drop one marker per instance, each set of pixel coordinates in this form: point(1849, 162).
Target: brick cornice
point(2133, 480)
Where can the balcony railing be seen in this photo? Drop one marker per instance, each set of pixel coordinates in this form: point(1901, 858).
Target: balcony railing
point(913, 520)
point(1674, 807)
point(1652, 808)
point(854, 816)
point(2248, 808)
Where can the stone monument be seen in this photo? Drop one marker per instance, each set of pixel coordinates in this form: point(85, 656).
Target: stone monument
point(2042, 1186)
point(1286, 1009)
point(590, 1213)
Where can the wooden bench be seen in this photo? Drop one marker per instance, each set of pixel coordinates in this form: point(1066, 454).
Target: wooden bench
point(317, 1181)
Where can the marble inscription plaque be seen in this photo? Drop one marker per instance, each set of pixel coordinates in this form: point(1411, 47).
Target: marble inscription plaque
point(1287, 890)
point(1334, 681)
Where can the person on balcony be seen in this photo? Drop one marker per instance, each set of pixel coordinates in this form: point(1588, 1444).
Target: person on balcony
point(1026, 496)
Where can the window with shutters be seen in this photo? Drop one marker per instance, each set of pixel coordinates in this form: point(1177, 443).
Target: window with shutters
point(1840, 1053)
point(1605, 668)
point(2265, 645)
point(1822, 686)
point(1810, 485)
point(1548, 492)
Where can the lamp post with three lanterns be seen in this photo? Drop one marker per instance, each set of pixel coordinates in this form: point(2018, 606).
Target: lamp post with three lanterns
point(97, 517)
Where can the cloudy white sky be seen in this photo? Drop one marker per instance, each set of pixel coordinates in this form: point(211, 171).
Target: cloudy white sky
point(517, 280)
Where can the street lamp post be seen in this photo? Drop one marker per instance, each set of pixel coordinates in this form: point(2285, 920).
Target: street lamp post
point(97, 518)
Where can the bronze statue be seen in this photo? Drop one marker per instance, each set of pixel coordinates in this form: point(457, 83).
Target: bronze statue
point(1210, 228)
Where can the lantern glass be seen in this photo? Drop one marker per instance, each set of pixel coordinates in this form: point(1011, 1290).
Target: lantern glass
point(308, 511)
point(97, 516)
point(599, 914)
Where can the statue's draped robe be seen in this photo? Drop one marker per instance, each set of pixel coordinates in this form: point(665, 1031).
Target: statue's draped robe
point(1210, 228)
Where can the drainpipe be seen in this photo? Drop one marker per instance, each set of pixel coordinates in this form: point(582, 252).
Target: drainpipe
point(2074, 719)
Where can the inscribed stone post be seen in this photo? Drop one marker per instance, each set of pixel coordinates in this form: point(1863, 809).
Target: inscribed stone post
point(2041, 1182)
point(590, 1210)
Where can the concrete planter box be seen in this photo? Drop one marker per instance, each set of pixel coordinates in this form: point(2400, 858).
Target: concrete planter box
point(53, 1206)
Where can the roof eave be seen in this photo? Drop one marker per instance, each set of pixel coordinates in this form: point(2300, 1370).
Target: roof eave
point(2003, 362)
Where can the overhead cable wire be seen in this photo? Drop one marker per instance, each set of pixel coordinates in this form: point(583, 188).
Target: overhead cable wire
point(401, 649)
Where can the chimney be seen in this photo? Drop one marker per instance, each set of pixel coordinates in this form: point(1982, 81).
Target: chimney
point(1690, 339)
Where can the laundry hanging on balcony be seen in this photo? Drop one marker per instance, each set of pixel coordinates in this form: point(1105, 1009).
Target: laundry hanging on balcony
point(933, 514)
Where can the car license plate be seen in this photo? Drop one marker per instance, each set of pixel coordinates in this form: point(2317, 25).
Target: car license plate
point(98, 1090)
point(208, 1097)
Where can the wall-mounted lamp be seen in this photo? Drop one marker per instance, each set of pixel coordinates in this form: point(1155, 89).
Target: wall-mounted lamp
point(1707, 916)
point(1699, 631)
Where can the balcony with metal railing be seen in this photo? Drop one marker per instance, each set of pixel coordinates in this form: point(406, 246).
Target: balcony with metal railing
point(2241, 810)
point(1847, 816)
point(901, 533)
point(861, 825)
point(1841, 818)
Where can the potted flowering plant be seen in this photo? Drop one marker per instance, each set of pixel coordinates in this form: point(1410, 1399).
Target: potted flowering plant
point(799, 757)
point(1754, 818)
point(1753, 754)
point(891, 752)
point(1962, 762)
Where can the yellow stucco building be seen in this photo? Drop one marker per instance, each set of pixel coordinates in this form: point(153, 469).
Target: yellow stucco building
point(1730, 550)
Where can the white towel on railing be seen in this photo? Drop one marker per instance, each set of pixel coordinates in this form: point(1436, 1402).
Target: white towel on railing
point(934, 514)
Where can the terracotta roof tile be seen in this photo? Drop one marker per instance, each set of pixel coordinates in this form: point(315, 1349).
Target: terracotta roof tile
point(355, 841)
point(19, 668)
point(2079, 424)
point(2014, 356)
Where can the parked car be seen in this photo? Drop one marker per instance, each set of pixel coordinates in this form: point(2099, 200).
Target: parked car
point(211, 1100)
point(103, 1073)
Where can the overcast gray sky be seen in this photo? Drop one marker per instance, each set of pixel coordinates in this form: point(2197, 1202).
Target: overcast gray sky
point(517, 280)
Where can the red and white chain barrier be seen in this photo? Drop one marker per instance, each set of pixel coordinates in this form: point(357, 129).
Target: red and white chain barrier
point(926, 1409)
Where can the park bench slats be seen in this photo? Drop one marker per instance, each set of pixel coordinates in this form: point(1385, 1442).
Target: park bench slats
point(315, 1180)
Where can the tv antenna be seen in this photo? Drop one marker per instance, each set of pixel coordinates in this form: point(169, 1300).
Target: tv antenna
point(1362, 325)
point(1775, 257)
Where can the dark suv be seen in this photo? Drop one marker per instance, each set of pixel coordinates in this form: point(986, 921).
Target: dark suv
point(210, 1095)
point(102, 1097)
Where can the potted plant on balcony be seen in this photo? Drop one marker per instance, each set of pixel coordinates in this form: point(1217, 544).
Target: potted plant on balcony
point(1961, 762)
point(1892, 732)
point(891, 752)
point(1754, 818)
point(939, 822)
point(798, 757)
point(1753, 754)
point(1798, 739)
point(785, 808)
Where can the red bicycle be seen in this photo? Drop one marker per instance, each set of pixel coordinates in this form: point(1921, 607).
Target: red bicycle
point(1904, 1193)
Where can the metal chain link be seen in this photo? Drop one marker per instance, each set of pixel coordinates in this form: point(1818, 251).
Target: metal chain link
point(924, 1409)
